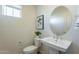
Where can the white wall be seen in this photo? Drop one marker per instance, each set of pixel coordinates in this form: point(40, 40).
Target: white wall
point(73, 33)
point(15, 30)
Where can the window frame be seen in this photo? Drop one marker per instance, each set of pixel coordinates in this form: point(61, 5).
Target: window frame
point(16, 7)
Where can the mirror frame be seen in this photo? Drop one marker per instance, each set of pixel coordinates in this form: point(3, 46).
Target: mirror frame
point(68, 23)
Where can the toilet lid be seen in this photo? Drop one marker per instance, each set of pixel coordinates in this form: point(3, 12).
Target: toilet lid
point(30, 48)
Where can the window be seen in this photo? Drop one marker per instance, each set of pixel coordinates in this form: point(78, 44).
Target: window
point(11, 10)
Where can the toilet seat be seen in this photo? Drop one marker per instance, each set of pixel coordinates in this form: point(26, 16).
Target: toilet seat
point(33, 49)
point(30, 49)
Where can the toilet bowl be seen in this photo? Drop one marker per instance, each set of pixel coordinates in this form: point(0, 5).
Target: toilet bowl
point(33, 48)
point(30, 49)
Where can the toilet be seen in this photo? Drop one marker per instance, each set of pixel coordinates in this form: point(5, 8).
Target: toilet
point(33, 48)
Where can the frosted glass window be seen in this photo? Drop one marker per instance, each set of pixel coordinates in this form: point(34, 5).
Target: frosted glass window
point(4, 10)
point(11, 10)
point(17, 13)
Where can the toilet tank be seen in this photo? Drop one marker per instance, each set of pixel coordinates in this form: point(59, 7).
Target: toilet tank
point(37, 42)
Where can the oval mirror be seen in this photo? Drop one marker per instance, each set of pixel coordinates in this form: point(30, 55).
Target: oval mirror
point(60, 20)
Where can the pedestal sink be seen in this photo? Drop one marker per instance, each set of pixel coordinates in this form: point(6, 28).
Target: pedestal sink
point(60, 45)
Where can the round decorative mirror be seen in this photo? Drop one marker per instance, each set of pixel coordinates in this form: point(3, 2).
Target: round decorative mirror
point(60, 20)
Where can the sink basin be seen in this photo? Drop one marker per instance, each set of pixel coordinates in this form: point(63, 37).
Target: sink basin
point(60, 44)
